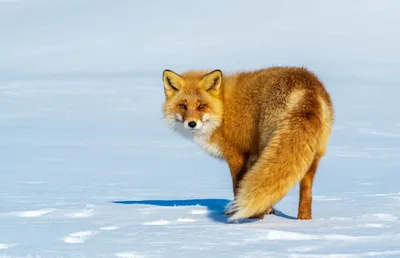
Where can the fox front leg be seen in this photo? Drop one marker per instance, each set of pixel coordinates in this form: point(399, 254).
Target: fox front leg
point(238, 165)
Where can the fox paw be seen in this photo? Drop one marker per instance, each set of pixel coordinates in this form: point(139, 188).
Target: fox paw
point(304, 216)
point(259, 216)
point(270, 211)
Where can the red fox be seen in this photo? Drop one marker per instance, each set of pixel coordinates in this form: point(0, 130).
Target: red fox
point(272, 126)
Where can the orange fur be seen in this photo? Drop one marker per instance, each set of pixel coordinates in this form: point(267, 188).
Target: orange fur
point(272, 126)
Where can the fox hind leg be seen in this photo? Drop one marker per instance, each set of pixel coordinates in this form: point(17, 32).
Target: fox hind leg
point(306, 184)
point(305, 198)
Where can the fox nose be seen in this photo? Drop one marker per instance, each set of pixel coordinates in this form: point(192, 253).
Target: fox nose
point(192, 124)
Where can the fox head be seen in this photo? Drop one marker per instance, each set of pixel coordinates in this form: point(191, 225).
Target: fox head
point(193, 100)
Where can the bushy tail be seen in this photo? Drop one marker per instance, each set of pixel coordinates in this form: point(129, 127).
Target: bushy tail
point(283, 162)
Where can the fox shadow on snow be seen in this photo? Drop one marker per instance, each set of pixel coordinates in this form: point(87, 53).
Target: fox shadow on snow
point(215, 207)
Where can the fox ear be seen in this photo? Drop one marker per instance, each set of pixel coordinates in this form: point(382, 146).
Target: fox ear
point(212, 81)
point(173, 82)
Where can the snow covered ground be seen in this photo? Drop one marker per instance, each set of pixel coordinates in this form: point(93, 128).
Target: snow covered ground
point(89, 169)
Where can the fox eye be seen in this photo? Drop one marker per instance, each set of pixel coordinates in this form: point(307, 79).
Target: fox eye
point(201, 107)
point(183, 106)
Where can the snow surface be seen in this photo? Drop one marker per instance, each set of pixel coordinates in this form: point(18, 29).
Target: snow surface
point(89, 169)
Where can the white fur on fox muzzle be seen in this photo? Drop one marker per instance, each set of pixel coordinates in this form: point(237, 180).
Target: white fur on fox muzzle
point(192, 125)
